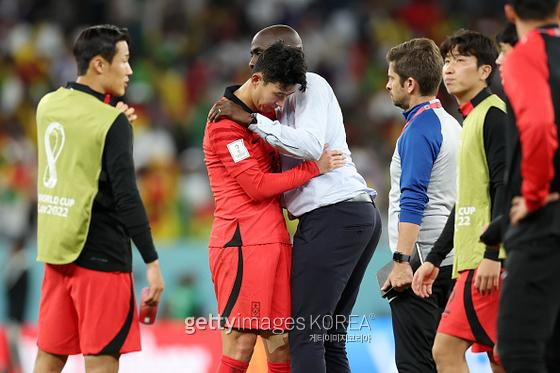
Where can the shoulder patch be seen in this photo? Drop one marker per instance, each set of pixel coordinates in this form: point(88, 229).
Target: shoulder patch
point(238, 150)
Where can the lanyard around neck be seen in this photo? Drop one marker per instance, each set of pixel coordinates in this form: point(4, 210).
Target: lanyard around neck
point(432, 105)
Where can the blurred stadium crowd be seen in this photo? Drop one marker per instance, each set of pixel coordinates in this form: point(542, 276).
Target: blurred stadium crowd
point(184, 52)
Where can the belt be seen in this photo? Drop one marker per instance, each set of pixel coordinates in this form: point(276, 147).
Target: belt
point(362, 197)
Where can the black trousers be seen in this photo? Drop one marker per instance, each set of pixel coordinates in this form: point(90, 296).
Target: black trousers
point(415, 322)
point(333, 246)
point(17, 297)
point(529, 316)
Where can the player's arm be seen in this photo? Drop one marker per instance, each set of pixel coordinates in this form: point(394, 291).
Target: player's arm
point(236, 153)
point(494, 127)
point(117, 157)
point(526, 84)
point(488, 274)
point(494, 146)
point(444, 243)
point(260, 185)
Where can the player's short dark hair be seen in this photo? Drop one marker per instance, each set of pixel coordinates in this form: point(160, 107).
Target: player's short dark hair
point(508, 35)
point(100, 40)
point(418, 59)
point(535, 9)
point(282, 64)
point(472, 43)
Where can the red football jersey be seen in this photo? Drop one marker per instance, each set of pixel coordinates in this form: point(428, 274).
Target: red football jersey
point(229, 150)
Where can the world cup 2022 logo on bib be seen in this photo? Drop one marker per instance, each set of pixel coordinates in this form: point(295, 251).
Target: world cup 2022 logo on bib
point(54, 142)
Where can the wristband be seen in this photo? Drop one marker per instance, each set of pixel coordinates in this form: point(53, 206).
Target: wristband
point(492, 253)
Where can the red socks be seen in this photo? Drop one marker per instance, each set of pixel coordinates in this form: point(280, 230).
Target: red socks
point(279, 367)
point(229, 365)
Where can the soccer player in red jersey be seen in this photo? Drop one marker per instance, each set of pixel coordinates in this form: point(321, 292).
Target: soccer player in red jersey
point(339, 226)
point(249, 246)
point(529, 317)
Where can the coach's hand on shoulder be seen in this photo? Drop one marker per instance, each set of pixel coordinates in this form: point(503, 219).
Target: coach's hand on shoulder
point(225, 108)
point(400, 277)
point(424, 278)
point(129, 111)
point(155, 282)
point(330, 159)
point(487, 276)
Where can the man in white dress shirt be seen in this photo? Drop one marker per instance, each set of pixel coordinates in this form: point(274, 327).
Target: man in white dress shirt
point(339, 225)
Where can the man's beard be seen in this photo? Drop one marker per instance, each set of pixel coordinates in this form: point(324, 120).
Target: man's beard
point(403, 103)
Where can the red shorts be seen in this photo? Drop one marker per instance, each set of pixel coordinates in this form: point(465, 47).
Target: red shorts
point(252, 285)
point(470, 315)
point(88, 312)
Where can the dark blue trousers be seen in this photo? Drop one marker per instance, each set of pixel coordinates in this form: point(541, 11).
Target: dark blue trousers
point(333, 246)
